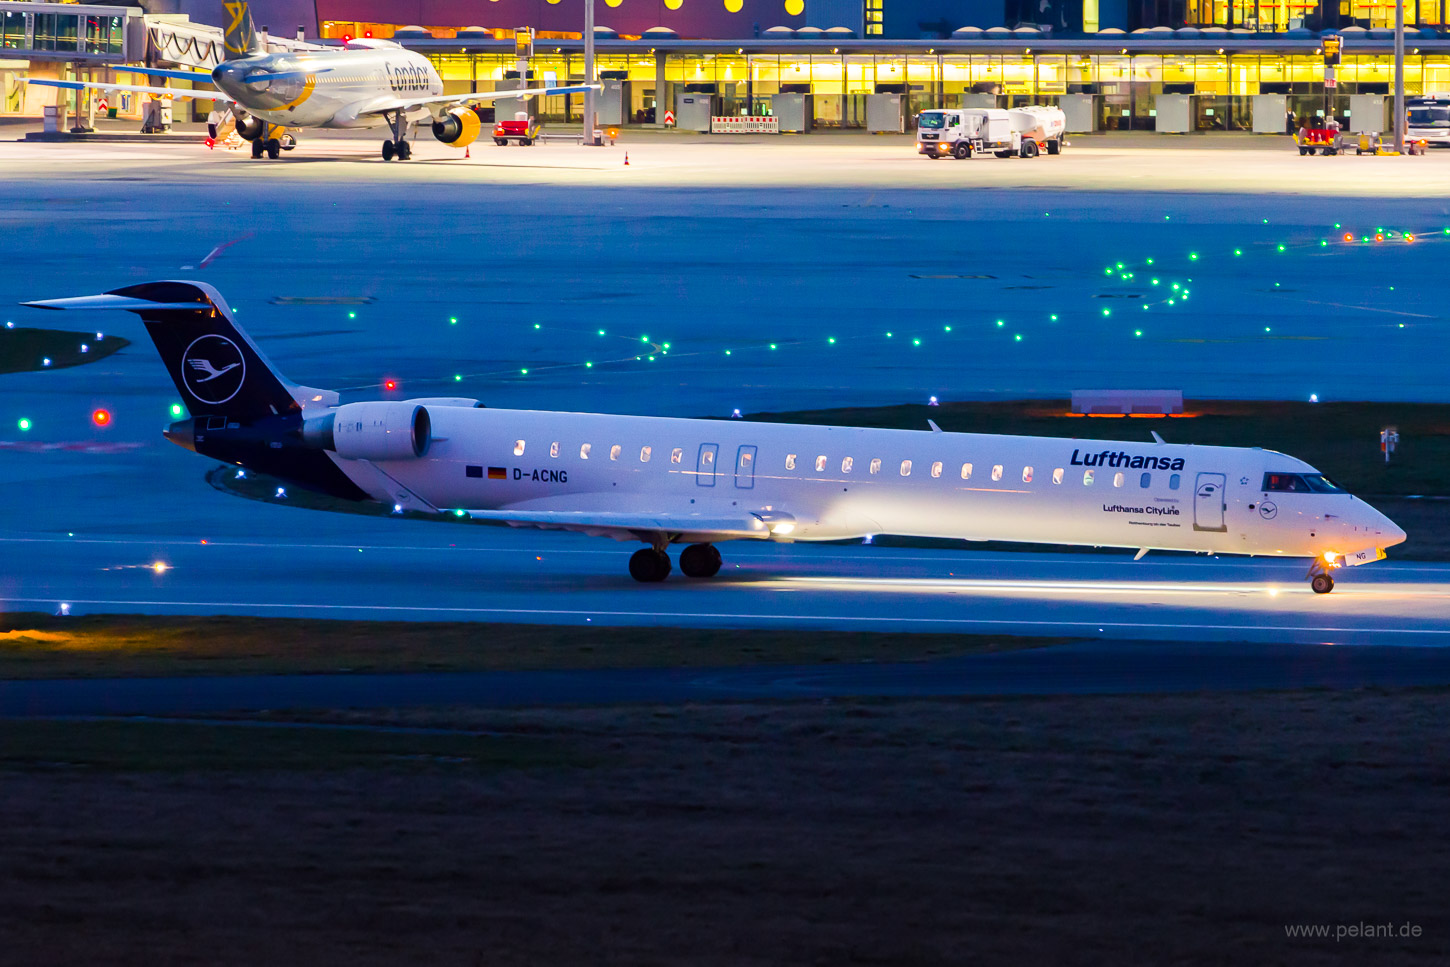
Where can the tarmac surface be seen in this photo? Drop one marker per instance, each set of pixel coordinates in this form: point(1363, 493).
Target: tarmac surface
point(717, 272)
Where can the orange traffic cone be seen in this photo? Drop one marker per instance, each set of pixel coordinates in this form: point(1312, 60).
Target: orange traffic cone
point(626, 157)
point(467, 149)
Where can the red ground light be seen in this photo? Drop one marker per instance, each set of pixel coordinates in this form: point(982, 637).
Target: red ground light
point(101, 417)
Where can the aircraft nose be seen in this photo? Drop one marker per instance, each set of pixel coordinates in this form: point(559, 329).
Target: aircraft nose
point(1387, 533)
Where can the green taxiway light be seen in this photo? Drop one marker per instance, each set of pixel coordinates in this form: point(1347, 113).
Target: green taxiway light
point(1108, 270)
point(1018, 337)
point(1323, 242)
point(667, 345)
point(1150, 261)
point(457, 513)
point(1000, 322)
point(176, 411)
point(352, 315)
point(23, 423)
point(1193, 256)
point(916, 342)
point(946, 328)
point(601, 332)
point(457, 377)
point(1281, 246)
point(1238, 251)
point(1155, 281)
point(588, 365)
point(727, 352)
point(772, 345)
point(1053, 317)
point(1175, 286)
point(888, 335)
point(1138, 332)
point(1107, 312)
point(832, 340)
point(536, 325)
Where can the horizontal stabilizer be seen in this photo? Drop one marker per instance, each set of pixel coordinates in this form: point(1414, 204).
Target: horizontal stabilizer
point(109, 301)
point(132, 88)
point(204, 76)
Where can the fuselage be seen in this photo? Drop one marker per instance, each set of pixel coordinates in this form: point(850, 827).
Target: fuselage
point(847, 482)
point(334, 89)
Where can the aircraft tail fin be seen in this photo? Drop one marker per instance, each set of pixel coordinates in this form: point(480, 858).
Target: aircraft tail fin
point(217, 369)
point(239, 39)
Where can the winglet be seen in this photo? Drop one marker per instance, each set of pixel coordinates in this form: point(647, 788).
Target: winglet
point(934, 427)
point(1156, 437)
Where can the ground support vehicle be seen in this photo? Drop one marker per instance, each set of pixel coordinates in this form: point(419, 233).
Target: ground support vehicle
point(963, 132)
point(524, 130)
point(1326, 141)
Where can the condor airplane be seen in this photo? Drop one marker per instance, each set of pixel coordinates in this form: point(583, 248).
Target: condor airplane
point(664, 481)
point(365, 84)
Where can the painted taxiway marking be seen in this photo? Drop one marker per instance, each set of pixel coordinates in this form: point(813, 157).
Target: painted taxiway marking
point(1092, 627)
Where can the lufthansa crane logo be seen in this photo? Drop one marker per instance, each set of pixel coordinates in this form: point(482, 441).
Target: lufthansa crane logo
point(213, 369)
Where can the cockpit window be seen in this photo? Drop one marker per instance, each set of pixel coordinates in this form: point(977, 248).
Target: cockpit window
point(1304, 483)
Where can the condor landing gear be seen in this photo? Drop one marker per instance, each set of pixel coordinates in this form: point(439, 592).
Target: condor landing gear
point(398, 147)
point(700, 561)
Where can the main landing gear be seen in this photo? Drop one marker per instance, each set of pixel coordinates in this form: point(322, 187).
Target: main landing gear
point(273, 147)
point(398, 147)
point(651, 564)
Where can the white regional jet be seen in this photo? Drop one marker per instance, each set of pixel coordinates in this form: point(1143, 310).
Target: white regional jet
point(668, 481)
point(366, 84)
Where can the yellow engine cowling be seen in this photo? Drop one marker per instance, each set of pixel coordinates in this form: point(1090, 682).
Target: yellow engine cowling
point(458, 128)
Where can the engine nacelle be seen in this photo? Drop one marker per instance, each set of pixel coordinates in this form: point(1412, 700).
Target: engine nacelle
point(372, 431)
point(250, 128)
point(459, 127)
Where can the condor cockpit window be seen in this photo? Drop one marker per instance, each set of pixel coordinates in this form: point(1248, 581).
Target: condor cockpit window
point(1301, 483)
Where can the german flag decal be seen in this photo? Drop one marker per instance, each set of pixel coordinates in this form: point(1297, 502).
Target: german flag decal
point(497, 473)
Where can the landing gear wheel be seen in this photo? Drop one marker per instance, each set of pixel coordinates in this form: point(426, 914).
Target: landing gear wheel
point(405, 151)
point(1319, 583)
point(648, 565)
point(274, 148)
point(388, 151)
point(1029, 149)
point(700, 561)
point(962, 152)
point(1054, 146)
point(257, 148)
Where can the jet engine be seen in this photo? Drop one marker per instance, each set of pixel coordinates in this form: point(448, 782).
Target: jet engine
point(372, 431)
point(458, 128)
point(250, 128)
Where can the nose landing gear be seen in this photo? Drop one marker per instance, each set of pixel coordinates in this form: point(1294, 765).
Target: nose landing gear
point(399, 147)
point(1321, 580)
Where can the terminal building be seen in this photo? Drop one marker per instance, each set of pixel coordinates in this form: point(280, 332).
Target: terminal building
point(1175, 66)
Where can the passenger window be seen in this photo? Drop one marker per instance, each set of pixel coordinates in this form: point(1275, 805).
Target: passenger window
point(1087, 478)
point(847, 464)
point(518, 448)
point(554, 449)
point(997, 472)
point(1057, 476)
point(1118, 479)
point(936, 469)
point(876, 465)
point(584, 449)
point(1173, 481)
point(906, 468)
point(677, 455)
point(966, 471)
point(790, 461)
point(821, 463)
point(1145, 480)
point(614, 451)
point(1026, 474)
point(644, 453)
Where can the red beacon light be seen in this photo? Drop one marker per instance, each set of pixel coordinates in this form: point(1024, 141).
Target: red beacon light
point(101, 417)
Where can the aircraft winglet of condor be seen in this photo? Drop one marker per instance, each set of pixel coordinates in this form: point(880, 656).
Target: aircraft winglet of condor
point(664, 481)
point(365, 84)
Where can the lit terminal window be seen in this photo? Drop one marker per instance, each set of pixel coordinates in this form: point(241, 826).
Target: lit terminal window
point(821, 463)
point(1087, 478)
point(615, 451)
point(997, 472)
point(906, 468)
point(1026, 474)
point(936, 469)
point(677, 455)
point(518, 448)
point(1057, 476)
point(644, 453)
point(966, 471)
point(554, 449)
point(1118, 479)
point(790, 461)
point(874, 18)
point(584, 451)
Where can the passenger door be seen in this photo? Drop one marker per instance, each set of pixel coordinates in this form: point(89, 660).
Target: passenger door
point(705, 464)
point(745, 468)
point(1209, 503)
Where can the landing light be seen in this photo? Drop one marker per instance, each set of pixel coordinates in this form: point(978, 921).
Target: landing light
point(160, 567)
point(784, 527)
point(1329, 557)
